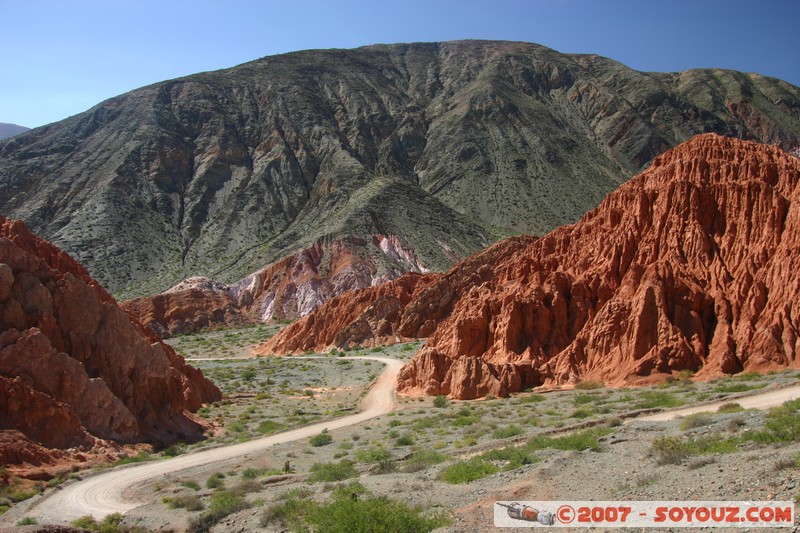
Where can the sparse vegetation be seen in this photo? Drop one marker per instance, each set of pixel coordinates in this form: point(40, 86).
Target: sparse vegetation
point(323, 439)
point(440, 401)
point(321, 472)
point(352, 509)
point(222, 504)
point(467, 471)
point(695, 421)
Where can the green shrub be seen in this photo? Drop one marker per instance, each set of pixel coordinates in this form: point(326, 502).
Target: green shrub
point(673, 450)
point(730, 407)
point(578, 441)
point(426, 457)
point(110, 524)
point(669, 450)
point(373, 454)
point(27, 521)
point(404, 440)
point(466, 420)
point(323, 439)
point(190, 502)
point(695, 420)
point(251, 473)
point(268, 427)
point(366, 515)
point(440, 401)
point(514, 456)
point(138, 458)
point(533, 398)
point(222, 504)
point(467, 471)
point(289, 513)
point(506, 432)
point(583, 398)
point(332, 472)
point(588, 385)
point(352, 510)
point(652, 399)
point(738, 387)
point(781, 424)
point(191, 484)
point(215, 481)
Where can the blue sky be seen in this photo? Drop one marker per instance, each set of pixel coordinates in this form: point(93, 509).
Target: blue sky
point(61, 57)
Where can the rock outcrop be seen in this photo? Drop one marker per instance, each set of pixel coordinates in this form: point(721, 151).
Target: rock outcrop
point(285, 290)
point(692, 264)
point(445, 146)
point(74, 367)
point(194, 305)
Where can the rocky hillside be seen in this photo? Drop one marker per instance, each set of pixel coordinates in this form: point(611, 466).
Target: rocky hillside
point(692, 265)
point(437, 148)
point(74, 368)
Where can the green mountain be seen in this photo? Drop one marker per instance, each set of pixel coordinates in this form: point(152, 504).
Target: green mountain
point(444, 146)
point(9, 130)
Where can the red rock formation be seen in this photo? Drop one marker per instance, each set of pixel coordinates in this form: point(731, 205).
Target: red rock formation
point(196, 304)
point(367, 316)
point(287, 289)
point(74, 366)
point(691, 265)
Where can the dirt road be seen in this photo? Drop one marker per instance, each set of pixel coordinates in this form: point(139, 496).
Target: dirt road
point(103, 494)
point(762, 400)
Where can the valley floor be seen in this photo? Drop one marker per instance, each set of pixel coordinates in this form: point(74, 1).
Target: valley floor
point(453, 460)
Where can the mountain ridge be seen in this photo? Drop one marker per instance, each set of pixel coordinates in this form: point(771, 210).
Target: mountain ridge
point(221, 173)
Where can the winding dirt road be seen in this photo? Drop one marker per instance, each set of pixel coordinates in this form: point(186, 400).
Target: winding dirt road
point(763, 400)
point(103, 494)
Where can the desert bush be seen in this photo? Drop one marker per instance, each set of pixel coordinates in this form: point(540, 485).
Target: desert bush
point(351, 510)
point(191, 484)
point(215, 481)
point(251, 473)
point(588, 385)
point(695, 420)
point(404, 440)
point(533, 398)
point(738, 387)
point(322, 472)
point(654, 398)
point(190, 502)
point(222, 504)
point(323, 439)
point(735, 423)
point(730, 407)
point(364, 515)
point(441, 401)
point(467, 471)
point(426, 457)
point(506, 432)
point(373, 454)
point(669, 450)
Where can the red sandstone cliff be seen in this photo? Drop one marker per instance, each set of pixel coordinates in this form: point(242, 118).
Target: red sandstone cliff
point(193, 305)
point(691, 265)
point(73, 366)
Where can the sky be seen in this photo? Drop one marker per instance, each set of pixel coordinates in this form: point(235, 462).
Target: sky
point(61, 57)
